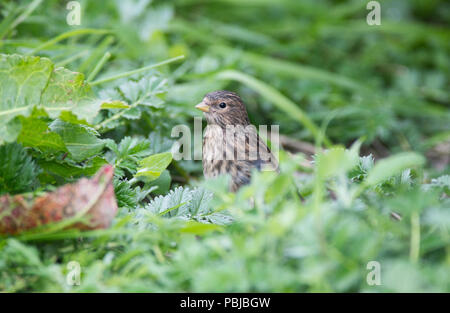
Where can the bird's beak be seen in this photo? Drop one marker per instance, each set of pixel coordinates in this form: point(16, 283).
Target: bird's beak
point(202, 107)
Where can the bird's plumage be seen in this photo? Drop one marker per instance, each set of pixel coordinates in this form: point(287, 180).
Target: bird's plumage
point(231, 145)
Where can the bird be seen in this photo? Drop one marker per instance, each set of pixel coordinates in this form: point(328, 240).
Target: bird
point(231, 144)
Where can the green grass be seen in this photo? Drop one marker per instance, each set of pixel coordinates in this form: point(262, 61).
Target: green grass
point(372, 100)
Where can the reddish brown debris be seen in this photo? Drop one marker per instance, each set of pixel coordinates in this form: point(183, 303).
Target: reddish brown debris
point(91, 199)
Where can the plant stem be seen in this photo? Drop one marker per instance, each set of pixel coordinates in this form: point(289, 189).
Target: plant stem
point(72, 58)
point(66, 35)
point(115, 116)
point(139, 70)
point(99, 66)
point(281, 101)
point(415, 237)
point(5, 28)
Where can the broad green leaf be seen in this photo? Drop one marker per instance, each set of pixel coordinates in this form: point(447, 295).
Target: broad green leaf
point(10, 130)
point(36, 134)
point(67, 91)
point(81, 141)
point(70, 171)
point(27, 82)
point(162, 183)
point(22, 81)
point(391, 166)
point(154, 165)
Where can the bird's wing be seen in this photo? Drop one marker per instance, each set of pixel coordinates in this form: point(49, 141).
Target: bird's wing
point(260, 155)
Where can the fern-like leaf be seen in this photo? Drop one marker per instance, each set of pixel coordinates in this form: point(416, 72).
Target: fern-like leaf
point(188, 204)
point(18, 171)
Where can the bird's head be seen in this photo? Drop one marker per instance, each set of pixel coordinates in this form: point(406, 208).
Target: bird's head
point(223, 108)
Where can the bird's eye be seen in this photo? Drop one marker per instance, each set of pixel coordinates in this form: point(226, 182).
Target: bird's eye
point(222, 105)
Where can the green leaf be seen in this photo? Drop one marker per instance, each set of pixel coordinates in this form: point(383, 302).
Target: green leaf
point(81, 141)
point(125, 195)
point(35, 133)
point(141, 94)
point(197, 228)
point(71, 171)
point(154, 165)
point(67, 91)
point(161, 185)
point(114, 105)
point(442, 182)
point(145, 90)
point(27, 82)
point(18, 171)
point(10, 131)
point(188, 204)
point(127, 154)
point(200, 201)
point(22, 81)
point(174, 203)
point(391, 166)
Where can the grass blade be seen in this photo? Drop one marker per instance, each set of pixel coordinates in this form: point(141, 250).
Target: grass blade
point(281, 101)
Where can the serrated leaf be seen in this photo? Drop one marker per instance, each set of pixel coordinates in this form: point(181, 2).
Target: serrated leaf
point(217, 218)
point(132, 113)
point(174, 203)
point(18, 171)
point(189, 205)
point(127, 154)
point(200, 201)
point(152, 166)
point(125, 195)
point(144, 90)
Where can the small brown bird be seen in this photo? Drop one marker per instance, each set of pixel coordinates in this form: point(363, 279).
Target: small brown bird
point(231, 145)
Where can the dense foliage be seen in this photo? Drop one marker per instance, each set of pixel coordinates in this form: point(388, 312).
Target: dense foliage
point(364, 118)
